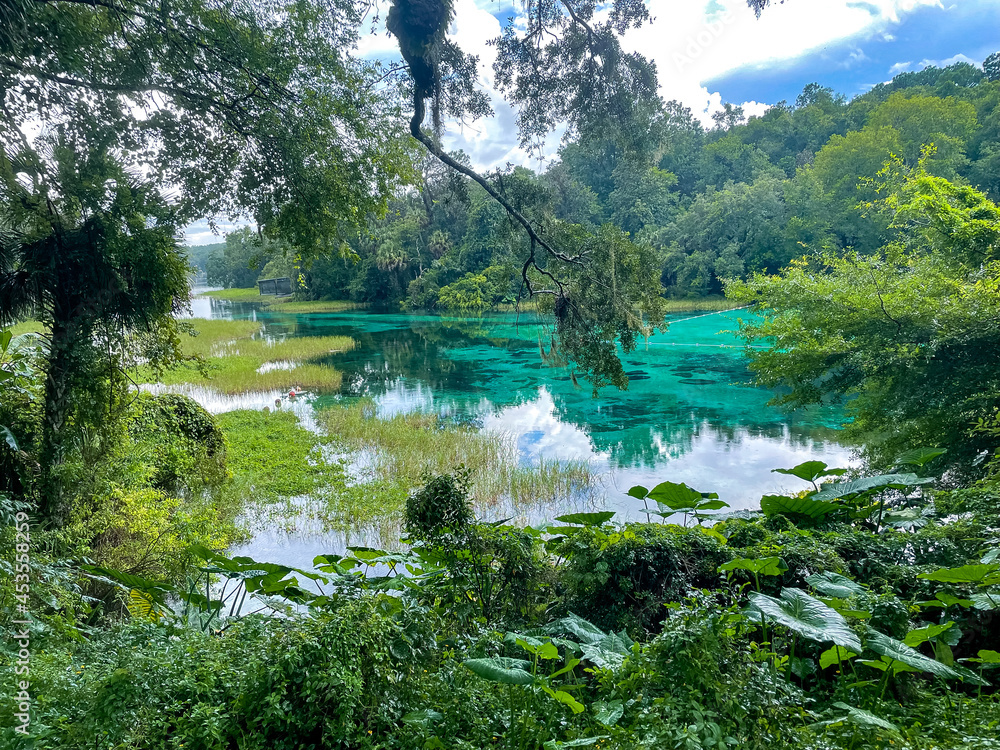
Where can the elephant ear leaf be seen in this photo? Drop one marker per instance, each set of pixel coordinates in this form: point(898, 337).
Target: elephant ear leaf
point(890, 648)
point(679, 496)
point(8, 437)
point(837, 490)
point(813, 509)
point(919, 457)
point(501, 669)
point(765, 566)
point(587, 519)
point(864, 718)
point(807, 616)
point(834, 584)
point(810, 471)
point(984, 574)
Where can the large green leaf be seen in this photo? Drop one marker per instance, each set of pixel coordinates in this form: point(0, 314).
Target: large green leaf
point(898, 651)
point(921, 635)
point(963, 574)
point(610, 652)
point(126, 580)
point(810, 471)
point(501, 669)
point(834, 655)
point(679, 496)
point(565, 698)
point(587, 519)
point(985, 657)
point(765, 566)
point(772, 505)
point(608, 712)
point(834, 584)
point(638, 491)
point(919, 456)
point(8, 437)
point(583, 630)
point(864, 718)
point(808, 617)
point(838, 490)
point(986, 602)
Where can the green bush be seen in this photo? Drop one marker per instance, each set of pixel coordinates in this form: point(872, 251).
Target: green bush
point(621, 578)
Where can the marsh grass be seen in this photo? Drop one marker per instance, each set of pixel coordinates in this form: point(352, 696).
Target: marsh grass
point(708, 304)
point(271, 456)
point(406, 446)
point(284, 304)
point(234, 352)
point(236, 295)
point(289, 305)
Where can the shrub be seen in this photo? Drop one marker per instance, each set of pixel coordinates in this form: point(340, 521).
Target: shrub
point(621, 578)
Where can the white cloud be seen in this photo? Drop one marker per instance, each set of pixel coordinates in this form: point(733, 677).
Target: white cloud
point(899, 67)
point(946, 62)
point(691, 42)
point(698, 41)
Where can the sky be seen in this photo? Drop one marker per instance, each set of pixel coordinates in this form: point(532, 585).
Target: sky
point(712, 51)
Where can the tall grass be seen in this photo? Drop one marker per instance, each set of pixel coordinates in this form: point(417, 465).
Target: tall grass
point(708, 304)
point(234, 352)
point(406, 446)
point(288, 305)
point(284, 304)
point(237, 295)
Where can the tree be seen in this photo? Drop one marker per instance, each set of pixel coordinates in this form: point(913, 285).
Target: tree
point(841, 168)
point(255, 110)
point(723, 234)
point(991, 67)
point(238, 263)
point(905, 337)
point(923, 120)
point(103, 267)
point(728, 117)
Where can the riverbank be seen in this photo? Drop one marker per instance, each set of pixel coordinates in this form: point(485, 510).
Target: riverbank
point(284, 304)
point(235, 357)
point(291, 305)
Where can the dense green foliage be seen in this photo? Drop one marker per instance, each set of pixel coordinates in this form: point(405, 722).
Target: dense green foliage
point(907, 334)
point(820, 635)
point(859, 612)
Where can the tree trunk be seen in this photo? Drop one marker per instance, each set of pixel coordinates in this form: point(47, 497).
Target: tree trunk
point(53, 504)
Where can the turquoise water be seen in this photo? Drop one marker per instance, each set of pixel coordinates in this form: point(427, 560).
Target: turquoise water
point(687, 416)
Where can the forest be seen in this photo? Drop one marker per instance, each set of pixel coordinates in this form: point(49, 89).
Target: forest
point(472, 598)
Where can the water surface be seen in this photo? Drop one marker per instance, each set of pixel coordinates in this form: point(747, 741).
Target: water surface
point(687, 416)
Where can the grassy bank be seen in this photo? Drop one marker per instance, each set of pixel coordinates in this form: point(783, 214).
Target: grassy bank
point(284, 304)
point(407, 446)
point(707, 304)
point(289, 305)
point(237, 358)
point(236, 295)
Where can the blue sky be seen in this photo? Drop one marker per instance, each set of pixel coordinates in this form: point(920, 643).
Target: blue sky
point(934, 35)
